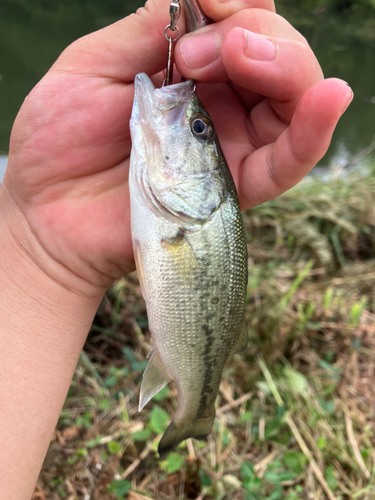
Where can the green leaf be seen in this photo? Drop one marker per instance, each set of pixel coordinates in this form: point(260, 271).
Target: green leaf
point(327, 299)
point(327, 406)
point(279, 477)
point(205, 478)
point(173, 463)
point(263, 386)
point(250, 481)
point(81, 452)
point(114, 447)
point(272, 477)
point(142, 321)
point(84, 420)
point(111, 381)
point(335, 371)
point(119, 488)
point(142, 435)
point(295, 461)
point(251, 485)
point(296, 382)
point(162, 394)
point(134, 363)
point(94, 442)
point(325, 365)
point(246, 416)
point(277, 494)
point(105, 404)
point(357, 310)
point(321, 442)
point(247, 470)
point(158, 420)
point(226, 437)
point(366, 453)
point(280, 411)
point(330, 477)
point(273, 428)
point(252, 496)
point(329, 356)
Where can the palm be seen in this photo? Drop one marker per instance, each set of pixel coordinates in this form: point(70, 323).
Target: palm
point(71, 144)
point(74, 168)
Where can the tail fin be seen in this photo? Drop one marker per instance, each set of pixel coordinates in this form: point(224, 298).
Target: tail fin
point(178, 432)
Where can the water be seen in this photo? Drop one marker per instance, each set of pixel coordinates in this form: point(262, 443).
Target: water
point(3, 166)
point(345, 49)
point(33, 34)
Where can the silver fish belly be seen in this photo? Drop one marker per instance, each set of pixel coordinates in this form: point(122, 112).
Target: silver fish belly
point(190, 252)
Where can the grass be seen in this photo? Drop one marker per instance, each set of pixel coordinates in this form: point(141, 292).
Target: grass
point(295, 413)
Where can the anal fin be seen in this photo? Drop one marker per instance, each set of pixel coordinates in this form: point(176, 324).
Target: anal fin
point(155, 377)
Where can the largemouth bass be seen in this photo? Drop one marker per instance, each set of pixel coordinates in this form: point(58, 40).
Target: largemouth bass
point(195, 18)
point(190, 252)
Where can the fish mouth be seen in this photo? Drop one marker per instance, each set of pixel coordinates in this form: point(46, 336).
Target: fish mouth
point(159, 112)
point(153, 102)
point(144, 96)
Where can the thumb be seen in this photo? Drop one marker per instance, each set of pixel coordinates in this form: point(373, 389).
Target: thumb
point(132, 45)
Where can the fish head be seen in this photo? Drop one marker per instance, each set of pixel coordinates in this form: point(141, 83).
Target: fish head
point(177, 132)
point(180, 147)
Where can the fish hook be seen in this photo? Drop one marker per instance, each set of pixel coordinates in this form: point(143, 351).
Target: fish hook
point(174, 13)
point(195, 19)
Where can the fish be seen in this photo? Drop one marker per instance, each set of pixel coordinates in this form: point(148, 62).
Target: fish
point(190, 252)
point(195, 17)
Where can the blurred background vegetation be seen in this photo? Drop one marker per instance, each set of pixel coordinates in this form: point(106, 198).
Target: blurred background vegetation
point(360, 7)
point(295, 413)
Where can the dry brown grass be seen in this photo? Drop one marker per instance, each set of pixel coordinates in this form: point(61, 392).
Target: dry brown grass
point(295, 415)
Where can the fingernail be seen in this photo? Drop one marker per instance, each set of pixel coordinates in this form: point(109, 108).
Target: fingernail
point(200, 50)
point(259, 47)
point(349, 97)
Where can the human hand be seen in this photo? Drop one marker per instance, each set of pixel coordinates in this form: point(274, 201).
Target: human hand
point(273, 111)
point(70, 145)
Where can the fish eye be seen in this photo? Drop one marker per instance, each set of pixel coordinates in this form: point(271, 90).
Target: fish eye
point(202, 127)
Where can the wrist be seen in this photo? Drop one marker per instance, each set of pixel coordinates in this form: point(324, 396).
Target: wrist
point(44, 320)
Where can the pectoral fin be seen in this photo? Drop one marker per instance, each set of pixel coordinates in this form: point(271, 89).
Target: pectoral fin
point(155, 377)
point(140, 269)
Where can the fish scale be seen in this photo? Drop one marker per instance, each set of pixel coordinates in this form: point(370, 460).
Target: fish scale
point(190, 250)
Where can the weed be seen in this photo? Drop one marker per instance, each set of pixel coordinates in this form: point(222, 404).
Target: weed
point(295, 412)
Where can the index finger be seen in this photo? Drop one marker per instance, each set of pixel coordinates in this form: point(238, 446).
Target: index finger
point(137, 43)
point(198, 55)
point(130, 46)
